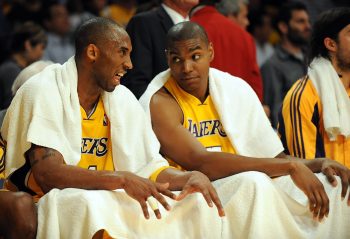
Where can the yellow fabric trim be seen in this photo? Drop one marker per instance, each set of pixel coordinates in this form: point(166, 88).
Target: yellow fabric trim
point(155, 174)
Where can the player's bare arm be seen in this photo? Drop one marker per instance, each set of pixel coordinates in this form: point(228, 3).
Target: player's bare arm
point(48, 167)
point(190, 154)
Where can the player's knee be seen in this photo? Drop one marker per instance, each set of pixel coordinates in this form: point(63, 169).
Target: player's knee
point(25, 216)
point(256, 179)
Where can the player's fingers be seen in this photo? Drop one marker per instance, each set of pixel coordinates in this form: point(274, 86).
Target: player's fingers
point(317, 205)
point(312, 201)
point(344, 183)
point(161, 199)
point(207, 197)
point(144, 208)
point(152, 202)
point(165, 191)
point(217, 202)
point(330, 174)
point(324, 209)
point(185, 191)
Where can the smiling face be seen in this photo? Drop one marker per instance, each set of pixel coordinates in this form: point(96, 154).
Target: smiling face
point(111, 63)
point(189, 62)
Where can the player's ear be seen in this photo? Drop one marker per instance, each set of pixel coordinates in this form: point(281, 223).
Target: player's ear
point(211, 51)
point(92, 52)
point(330, 44)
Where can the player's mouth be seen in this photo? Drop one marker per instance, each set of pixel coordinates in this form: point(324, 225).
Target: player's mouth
point(117, 77)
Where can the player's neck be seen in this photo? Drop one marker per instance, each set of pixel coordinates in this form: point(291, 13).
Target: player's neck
point(88, 92)
point(343, 74)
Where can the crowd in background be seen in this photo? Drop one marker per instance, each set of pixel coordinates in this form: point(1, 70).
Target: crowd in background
point(264, 42)
point(35, 29)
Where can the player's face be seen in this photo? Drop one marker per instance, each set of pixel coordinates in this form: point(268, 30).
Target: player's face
point(112, 63)
point(343, 49)
point(189, 62)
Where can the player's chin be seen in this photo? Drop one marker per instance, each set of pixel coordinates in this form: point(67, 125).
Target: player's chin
point(111, 88)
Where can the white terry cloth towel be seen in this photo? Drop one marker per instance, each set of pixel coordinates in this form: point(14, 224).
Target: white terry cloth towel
point(336, 225)
point(46, 112)
point(255, 206)
point(334, 98)
point(240, 111)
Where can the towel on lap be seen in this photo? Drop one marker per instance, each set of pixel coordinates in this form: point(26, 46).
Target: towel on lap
point(255, 206)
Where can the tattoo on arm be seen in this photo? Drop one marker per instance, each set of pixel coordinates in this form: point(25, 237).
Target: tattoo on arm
point(37, 153)
point(48, 153)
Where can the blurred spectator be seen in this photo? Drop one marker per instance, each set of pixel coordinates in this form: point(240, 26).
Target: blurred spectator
point(59, 45)
point(288, 63)
point(147, 31)
point(94, 7)
point(234, 48)
point(27, 45)
point(316, 125)
point(77, 13)
point(5, 32)
point(147, 5)
point(20, 11)
point(316, 7)
point(260, 27)
point(236, 10)
point(22, 77)
point(120, 11)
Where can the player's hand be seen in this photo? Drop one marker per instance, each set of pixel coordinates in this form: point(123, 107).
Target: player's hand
point(142, 189)
point(198, 182)
point(332, 168)
point(307, 181)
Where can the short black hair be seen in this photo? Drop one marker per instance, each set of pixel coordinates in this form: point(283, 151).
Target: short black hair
point(285, 13)
point(185, 31)
point(28, 31)
point(96, 31)
point(328, 24)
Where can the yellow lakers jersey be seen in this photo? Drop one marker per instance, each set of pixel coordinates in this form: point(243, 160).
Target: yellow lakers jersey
point(96, 152)
point(301, 126)
point(96, 149)
point(2, 158)
point(201, 119)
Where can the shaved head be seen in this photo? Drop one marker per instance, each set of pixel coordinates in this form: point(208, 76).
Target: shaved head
point(97, 31)
point(185, 31)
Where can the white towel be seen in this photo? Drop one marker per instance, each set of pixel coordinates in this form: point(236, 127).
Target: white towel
point(334, 98)
point(240, 111)
point(255, 205)
point(46, 112)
